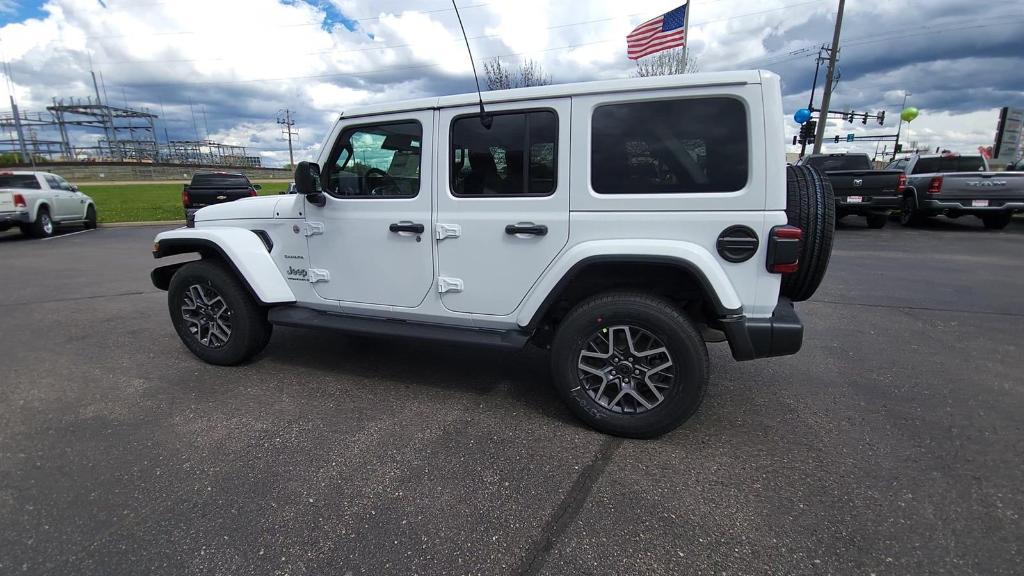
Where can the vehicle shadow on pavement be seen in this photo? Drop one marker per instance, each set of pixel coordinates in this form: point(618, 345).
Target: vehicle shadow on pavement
point(14, 235)
point(521, 375)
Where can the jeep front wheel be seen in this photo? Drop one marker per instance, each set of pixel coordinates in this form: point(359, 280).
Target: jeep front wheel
point(629, 364)
point(215, 316)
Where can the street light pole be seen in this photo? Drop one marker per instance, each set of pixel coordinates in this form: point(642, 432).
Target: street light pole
point(810, 103)
point(900, 127)
point(833, 53)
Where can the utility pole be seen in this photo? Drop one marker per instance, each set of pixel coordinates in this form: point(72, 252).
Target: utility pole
point(810, 103)
point(833, 54)
point(900, 128)
point(284, 118)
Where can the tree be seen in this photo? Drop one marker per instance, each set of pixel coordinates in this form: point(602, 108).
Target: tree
point(675, 61)
point(501, 77)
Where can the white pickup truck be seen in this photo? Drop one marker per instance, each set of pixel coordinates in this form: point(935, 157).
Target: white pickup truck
point(37, 202)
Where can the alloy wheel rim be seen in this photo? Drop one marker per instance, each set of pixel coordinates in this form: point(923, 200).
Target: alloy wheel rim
point(47, 223)
point(207, 316)
point(625, 369)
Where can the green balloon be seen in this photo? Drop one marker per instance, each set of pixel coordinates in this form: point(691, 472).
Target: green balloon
point(908, 114)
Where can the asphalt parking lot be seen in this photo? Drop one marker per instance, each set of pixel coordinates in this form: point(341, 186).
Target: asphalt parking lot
point(892, 444)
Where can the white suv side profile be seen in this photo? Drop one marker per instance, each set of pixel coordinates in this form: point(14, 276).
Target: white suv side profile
point(620, 224)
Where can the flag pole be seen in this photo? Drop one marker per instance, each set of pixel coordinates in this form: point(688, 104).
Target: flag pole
point(686, 34)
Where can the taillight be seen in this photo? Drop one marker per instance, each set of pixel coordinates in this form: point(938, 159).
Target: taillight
point(186, 201)
point(19, 201)
point(252, 192)
point(784, 249)
point(935, 186)
point(901, 183)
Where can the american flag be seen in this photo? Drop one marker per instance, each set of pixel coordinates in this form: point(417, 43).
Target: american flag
point(664, 32)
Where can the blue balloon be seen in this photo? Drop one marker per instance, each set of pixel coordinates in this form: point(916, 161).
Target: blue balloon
point(802, 115)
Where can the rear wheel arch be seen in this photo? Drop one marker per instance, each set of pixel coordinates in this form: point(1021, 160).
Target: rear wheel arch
point(677, 279)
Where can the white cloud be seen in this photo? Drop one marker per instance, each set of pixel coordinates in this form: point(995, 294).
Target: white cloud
point(245, 59)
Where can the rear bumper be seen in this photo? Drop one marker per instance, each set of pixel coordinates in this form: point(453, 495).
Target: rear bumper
point(780, 335)
point(868, 204)
point(9, 218)
point(963, 205)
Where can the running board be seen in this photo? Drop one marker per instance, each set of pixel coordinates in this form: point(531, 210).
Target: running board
point(299, 317)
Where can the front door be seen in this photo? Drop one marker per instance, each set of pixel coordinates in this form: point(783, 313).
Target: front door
point(65, 200)
point(502, 202)
point(372, 239)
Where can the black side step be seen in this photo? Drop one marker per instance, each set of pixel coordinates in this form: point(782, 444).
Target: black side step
point(299, 317)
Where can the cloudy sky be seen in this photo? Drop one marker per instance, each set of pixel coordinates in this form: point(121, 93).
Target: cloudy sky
point(243, 60)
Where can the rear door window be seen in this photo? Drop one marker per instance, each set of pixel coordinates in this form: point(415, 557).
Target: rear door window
point(670, 147)
point(220, 180)
point(514, 157)
point(934, 164)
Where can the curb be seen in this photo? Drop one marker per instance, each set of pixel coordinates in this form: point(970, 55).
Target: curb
point(134, 224)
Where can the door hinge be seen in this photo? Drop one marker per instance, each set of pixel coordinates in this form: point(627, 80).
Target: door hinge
point(442, 231)
point(319, 275)
point(449, 284)
point(314, 228)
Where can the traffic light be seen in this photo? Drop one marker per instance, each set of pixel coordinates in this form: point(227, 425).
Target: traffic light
point(852, 116)
point(807, 130)
point(881, 117)
point(794, 140)
point(899, 148)
point(865, 119)
point(837, 139)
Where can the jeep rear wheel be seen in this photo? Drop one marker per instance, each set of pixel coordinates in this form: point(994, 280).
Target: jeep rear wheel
point(215, 316)
point(810, 206)
point(629, 364)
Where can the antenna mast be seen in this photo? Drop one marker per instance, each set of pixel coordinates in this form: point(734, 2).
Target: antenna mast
point(485, 118)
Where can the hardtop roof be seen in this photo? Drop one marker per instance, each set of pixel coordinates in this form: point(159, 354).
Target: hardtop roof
point(564, 90)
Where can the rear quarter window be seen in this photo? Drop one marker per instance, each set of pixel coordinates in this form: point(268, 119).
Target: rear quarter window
point(670, 146)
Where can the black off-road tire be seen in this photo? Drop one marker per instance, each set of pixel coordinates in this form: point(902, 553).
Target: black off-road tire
point(250, 331)
point(810, 205)
point(909, 214)
point(90, 217)
point(996, 221)
point(660, 318)
point(877, 220)
point(43, 226)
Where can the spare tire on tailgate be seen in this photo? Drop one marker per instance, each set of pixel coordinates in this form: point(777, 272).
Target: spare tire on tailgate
point(811, 207)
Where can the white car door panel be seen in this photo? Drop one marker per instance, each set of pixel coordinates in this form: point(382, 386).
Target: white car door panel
point(375, 240)
point(502, 202)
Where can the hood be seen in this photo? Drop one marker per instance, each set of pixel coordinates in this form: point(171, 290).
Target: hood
point(243, 208)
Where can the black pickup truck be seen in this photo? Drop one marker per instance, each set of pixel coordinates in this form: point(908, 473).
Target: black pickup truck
point(858, 188)
point(209, 188)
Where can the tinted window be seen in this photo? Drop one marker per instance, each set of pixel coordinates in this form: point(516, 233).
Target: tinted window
point(670, 146)
point(379, 160)
point(829, 163)
point(19, 181)
point(932, 164)
point(220, 180)
point(515, 156)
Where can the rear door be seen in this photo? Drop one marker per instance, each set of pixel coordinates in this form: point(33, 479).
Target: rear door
point(502, 202)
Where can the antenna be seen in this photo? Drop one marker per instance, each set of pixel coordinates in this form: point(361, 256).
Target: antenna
point(485, 118)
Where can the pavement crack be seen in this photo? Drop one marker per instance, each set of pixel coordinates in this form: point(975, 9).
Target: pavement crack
point(923, 308)
point(569, 508)
point(77, 298)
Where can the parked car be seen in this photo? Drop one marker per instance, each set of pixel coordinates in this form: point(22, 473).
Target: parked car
point(668, 219)
point(956, 185)
point(209, 188)
point(859, 188)
point(38, 202)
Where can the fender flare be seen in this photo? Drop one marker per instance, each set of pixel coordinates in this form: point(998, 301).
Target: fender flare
point(693, 258)
point(242, 249)
point(34, 211)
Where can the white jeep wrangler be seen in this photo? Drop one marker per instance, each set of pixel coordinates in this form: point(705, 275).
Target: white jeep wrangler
point(621, 224)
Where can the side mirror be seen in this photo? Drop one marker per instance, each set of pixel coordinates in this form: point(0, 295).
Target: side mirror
point(307, 183)
point(74, 188)
point(257, 187)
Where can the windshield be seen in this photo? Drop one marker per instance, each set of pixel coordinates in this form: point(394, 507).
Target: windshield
point(846, 162)
point(19, 181)
point(933, 164)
